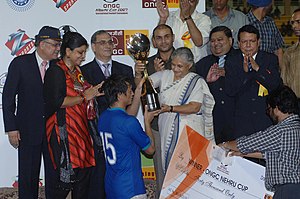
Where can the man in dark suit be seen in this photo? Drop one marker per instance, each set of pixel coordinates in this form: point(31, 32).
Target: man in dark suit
point(25, 124)
point(251, 76)
point(95, 72)
point(212, 68)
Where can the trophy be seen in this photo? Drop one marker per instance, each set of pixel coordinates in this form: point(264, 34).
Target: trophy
point(139, 47)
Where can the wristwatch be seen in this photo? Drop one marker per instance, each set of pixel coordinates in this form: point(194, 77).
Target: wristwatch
point(187, 18)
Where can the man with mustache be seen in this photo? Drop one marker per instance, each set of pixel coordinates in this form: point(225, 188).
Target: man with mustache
point(252, 75)
point(212, 68)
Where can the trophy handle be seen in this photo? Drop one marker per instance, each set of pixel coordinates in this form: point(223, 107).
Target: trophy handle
point(146, 73)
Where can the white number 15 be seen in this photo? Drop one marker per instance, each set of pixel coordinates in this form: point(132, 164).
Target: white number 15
point(108, 146)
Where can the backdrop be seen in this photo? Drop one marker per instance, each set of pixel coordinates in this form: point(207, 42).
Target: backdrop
point(22, 19)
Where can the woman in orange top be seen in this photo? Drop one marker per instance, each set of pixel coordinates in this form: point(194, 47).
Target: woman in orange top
point(66, 96)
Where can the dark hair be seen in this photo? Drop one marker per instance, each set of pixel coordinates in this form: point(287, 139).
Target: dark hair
point(285, 99)
point(248, 29)
point(224, 29)
point(297, 10)
point(99, 32)
point(162, 26)
point(72, 40)
point(114, 85)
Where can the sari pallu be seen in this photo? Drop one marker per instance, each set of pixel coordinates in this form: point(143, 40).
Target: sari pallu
point(191, 88)
point(68, 138)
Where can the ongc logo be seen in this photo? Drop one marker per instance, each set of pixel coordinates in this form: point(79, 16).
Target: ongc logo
point(118, 38)
point(152, 3)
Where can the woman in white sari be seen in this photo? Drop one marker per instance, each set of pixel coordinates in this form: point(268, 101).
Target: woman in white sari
point(185, 99)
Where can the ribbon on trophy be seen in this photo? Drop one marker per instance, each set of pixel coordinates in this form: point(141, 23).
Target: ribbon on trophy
point(186, 39)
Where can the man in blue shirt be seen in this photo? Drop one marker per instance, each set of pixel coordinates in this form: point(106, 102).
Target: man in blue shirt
point(123, 137)
point(271, 39)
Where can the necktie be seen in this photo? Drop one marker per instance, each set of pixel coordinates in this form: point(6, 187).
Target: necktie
point(43, 69)
point(249, 65)
point(106, 70)
point(221, 62)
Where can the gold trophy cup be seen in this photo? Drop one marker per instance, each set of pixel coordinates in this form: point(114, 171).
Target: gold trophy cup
point(139, 47)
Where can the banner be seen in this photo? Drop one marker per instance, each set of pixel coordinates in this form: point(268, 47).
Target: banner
point(200, 169)
point(22, 19)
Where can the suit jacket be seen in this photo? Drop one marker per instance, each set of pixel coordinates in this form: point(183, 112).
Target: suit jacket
point(94, 75)
point(250, 110)
point(223, 111)
point(24, 82)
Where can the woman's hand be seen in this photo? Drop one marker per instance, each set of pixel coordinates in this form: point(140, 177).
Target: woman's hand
point(93, 91)
point(165, 108)
point(98, 88)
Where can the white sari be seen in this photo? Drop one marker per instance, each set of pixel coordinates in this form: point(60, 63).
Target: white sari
point(191, 88)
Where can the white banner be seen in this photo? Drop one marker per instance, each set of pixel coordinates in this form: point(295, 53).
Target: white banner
point(22, 19)
point(199, 169)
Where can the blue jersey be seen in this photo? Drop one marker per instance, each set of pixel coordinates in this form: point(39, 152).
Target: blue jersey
point(123, 138)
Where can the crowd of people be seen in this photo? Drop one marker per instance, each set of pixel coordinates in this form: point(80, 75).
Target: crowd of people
point(223, 73)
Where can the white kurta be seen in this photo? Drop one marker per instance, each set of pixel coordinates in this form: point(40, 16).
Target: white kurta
point(179, 28)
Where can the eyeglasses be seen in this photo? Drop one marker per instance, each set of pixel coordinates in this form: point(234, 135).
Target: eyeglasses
point(103, 42)
point(57, 45)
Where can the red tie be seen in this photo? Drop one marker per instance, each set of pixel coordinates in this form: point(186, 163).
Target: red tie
point(43, 69)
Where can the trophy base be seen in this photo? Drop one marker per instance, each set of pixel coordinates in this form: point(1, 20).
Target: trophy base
point(151, 100)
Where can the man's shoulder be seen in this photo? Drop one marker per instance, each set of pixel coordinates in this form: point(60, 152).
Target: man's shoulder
point(209, 12)
point(153, 56)
point(233, 54)
point(55, 67)
point(266, 55)
point(22, 61)
point(238, 14)
point(264, 58)
point(121, 65)
point(24, 57)
point(293, 48)
point(269, 19)
point(114, 62)
point(201, 16)
point(119, 118)
point(206, 59)
point(87, 65)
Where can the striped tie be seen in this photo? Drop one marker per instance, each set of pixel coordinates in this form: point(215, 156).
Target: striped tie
point(106, 70)
point(249, 65)
point(221, 62)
